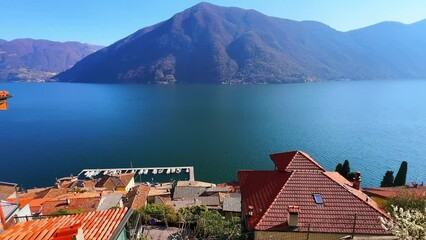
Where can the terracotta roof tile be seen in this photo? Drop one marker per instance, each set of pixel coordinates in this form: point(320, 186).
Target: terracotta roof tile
point(114, 181)
point(88, 204)
point(36, 204)
point(295, 160)
point(136, 197)
point(387, 192)
point(271, 193)
point(126, 178)
point(95, 226)
point(5, 192)
point(51, 193)
point(258, 189)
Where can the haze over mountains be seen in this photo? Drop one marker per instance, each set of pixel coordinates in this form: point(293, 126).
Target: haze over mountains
point(39, 60)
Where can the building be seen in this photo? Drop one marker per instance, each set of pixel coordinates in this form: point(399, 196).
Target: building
point(109, 224)
point(8, 190)
point(137, 197)
point(299, 197)
point(85, 204)
point(232, 205)
point(7, 213)
point(11, 205)
point(119, 182)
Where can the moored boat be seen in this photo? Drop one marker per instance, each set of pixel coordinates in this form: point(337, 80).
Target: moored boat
point(4, 95)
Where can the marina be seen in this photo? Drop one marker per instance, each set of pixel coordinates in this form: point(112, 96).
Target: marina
point(92, 173)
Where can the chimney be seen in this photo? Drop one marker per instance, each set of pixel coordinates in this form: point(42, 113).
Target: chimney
point(74, 232)
point(293, 216)
point(2, 218)
point(357, 181)
point(18, 199)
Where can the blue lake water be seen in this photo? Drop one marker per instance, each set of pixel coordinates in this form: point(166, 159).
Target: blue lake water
point(55, 129)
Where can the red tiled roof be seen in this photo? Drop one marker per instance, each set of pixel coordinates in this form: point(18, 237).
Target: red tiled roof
point(95, 225)
point(88, 204)
point(387, 192)
point(36, 204)
point(114, 181)
point(136, 197)
point(22, 201)
point(126, 178)
point(295, 160)
point(271, 193)
point(258, 189)
point(6, 191)
point(51, 193)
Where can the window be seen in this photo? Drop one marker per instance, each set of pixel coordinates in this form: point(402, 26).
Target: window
point(318, 199)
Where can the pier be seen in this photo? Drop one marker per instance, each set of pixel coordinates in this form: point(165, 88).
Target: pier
point(141, 171)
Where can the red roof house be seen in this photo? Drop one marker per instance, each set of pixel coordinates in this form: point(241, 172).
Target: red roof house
point(301, 196)
point(103, 225)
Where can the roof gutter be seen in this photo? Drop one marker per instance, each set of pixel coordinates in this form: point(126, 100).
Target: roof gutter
point(121, 225)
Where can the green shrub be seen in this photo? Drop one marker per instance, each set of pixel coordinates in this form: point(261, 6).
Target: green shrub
point(212, 225)
point(64, 211)
point(161, 213)
point(406, 201)
point(191, 214)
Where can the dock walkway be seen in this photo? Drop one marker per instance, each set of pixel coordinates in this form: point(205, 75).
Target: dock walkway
point(140, 171)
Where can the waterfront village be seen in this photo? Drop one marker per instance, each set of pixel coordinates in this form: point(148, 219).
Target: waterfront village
point(298, 199)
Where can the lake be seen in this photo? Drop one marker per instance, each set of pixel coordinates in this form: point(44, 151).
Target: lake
point(55, 129)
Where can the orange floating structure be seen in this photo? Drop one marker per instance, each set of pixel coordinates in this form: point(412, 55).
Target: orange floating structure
point(4, 95)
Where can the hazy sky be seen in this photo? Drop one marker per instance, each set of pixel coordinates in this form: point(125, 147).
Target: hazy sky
point(106, 21)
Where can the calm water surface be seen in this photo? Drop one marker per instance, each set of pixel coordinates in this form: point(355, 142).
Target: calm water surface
point(53, 130)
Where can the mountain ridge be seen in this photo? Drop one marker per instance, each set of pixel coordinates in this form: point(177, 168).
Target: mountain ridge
point(27, 59)
point(211, 44)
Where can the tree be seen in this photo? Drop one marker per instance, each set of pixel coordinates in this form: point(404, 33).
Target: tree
point(161, 213)
point(191, 214)
point(407, 224)
point(63, 211)
point(401, 176)
point(346, 169)
point(339, 168)
point(212, 225)
point(406, 200)
point(387, 179)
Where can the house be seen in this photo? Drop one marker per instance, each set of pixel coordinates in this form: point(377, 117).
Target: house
point(7, 213)
point(119, 182)
point(8, 190)
point(137, 197)
point(50, 193)
point(11, 205)
point(299, 197)
point(109, 224)
point(110, 200)
point(87, 204)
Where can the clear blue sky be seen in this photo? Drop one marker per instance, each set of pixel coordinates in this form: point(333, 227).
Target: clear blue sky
point(106, 21)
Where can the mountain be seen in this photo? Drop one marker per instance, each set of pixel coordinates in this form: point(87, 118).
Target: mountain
point(212, 44)
point(38, 60)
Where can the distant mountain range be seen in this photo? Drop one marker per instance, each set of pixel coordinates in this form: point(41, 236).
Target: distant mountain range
point(39, 60)
point(212, 44)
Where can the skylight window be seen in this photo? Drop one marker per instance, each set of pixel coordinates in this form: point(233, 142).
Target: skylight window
point(318, 199)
